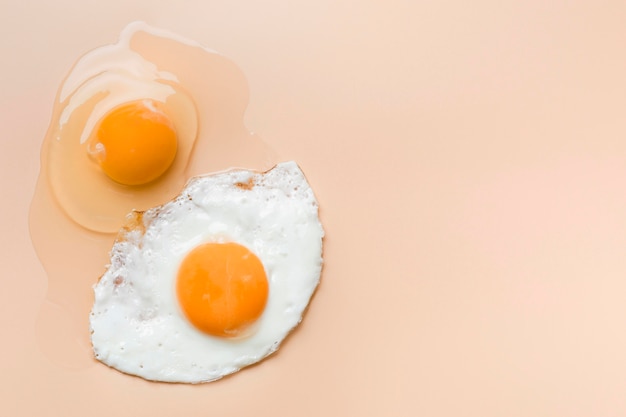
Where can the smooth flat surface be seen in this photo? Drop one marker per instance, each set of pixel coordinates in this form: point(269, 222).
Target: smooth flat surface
point(469, 160)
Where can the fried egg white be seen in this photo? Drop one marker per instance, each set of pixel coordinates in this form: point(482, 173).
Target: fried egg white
point(138, 324)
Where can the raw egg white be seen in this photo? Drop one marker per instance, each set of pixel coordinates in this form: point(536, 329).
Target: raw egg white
point(212, 281)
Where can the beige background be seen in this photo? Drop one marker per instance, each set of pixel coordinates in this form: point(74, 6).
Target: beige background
point(470, 163)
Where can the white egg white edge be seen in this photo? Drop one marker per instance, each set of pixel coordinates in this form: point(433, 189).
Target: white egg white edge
point(134, 237)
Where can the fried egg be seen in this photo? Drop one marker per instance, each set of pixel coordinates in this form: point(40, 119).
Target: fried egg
point(211, 281)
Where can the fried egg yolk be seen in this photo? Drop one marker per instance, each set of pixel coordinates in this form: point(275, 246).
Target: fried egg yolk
point(222, 288)
point(135, 143)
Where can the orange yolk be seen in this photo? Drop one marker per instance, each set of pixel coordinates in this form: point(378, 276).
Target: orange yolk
point(135, 143)
point(222, 288)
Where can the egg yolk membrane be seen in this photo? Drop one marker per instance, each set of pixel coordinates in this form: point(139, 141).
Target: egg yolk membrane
point(135, 143)
point(222, 288)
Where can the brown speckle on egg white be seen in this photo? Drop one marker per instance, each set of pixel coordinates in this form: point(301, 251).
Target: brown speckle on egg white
point(248, 185)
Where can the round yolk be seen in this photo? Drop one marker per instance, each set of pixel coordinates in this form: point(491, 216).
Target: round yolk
point(135, 143)
point(222, 288)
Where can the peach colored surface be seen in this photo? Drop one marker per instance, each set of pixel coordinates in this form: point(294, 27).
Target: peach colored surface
point(470, 163)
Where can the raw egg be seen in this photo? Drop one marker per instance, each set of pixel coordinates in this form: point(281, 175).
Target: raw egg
point(123, 139)
point(129, 119)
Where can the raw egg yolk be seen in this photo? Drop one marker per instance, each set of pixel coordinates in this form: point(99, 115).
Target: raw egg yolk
point(222, 288)
point(135, 143)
